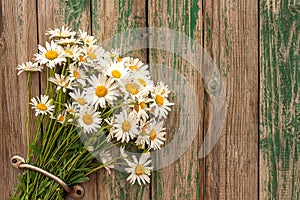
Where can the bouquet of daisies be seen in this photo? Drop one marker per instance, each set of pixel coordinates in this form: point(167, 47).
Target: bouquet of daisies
point(94, 100)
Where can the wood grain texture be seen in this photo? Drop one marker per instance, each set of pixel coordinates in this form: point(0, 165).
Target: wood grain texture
point(280, 99)
point(229, 30)
point(17, 27)
point(184, 178)
point(231, 38)
point(110, 18)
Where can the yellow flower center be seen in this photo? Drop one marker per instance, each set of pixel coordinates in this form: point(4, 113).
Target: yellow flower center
point(91, 55)
point(159, 100)
point(51, 55)
point(143, 105)
point(61, 118)
point(82, 59)
point(101, 91)
point(139, 170)
point(136, 108)
point(119, 59)
point(116, 74)
point(76, 74)
point(42, 106)
point(69, 52)
point(71, 111)
point(144, 130)
point(87, 119)
point(133, 67)
point(132, 88)
point(152, 134)
point(81, 101)
point(126, 126)
point(142, 82)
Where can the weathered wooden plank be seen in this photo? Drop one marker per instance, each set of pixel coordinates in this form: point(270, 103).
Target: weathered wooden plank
point(280, 99)
point(108, 19)
point(75, 15)
point(17, 27)
point(184, 178)
point(231, 38)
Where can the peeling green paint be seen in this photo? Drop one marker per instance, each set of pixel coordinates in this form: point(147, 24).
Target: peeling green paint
point(73, 11)
point(280, 106)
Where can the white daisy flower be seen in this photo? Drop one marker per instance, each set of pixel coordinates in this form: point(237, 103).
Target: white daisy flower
point(139, 170)
point(135, 64)
point(70, 108)
point(51, 55)
point(73, 52)
point(90, 52)
point(103, 64)
point(106, 159)
point(77, 74)
point(61, 33)
point(29, 67)
point(103, 90)
point(130, 87)
point(61, 81)
point(86, 38)
point(143, 137)
point(117, 71)
point(162, 89)
point(140, 106)
point(114, 54)
point(160, 106)
point(67, 41)
point(42, 105)
point(79, 97)
point(89, 119)
point(61, 118)
point(124, 127)
point(156, 133)
point(143, 78)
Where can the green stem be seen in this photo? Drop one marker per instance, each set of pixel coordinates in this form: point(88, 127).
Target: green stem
point(28, 114)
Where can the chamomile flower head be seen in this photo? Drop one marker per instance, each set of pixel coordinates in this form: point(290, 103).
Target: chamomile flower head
point(143, 78)
point(106, 159)
point(143, 137)
point(115, 54)
point(61, 33)
point(79, 97)
point(87, 39)
point(61, 118)
point(117, 71)
point(140, 106)
point(89, 119)
point(130, 87)
point(103, 91)
point(42, 105)
point(90, 53)
point(29, 67)
point(139, 170)
point(61, 81)
point(156, 133)
point(160, 105)
point(51, 55)
point(67, 41)
point(72, 52)
point(77, 74)
point(70, 108)
point(134, 64)
point(162, 89)
point(125, 126)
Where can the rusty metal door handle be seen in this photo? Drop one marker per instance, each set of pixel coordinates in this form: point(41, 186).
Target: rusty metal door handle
point(76, 192)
